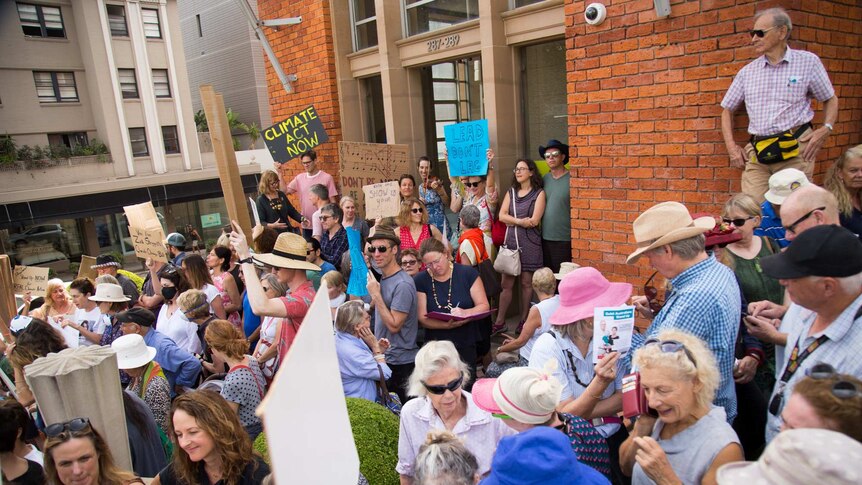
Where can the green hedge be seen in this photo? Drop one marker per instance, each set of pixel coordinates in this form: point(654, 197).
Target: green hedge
point(137, 280)
point(375, 430)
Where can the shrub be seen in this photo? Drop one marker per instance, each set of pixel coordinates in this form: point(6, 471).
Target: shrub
point(139, 282)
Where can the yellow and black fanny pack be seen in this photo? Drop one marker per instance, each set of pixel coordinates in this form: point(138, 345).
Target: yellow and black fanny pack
point(778, 148)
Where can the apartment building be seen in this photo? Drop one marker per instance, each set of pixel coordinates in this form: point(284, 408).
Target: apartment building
point(95, 96)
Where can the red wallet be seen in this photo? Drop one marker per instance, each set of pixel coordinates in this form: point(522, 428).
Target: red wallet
point(634, 399)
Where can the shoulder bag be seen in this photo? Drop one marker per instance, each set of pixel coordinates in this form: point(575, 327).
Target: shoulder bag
point(388, 399)
point(509, 260)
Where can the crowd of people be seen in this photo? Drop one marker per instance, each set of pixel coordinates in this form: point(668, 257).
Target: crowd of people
point(748, 350)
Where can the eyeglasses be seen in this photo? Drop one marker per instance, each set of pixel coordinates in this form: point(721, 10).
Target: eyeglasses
point(671, 346)
point(472, 184)
point(74, 426)
point(435, 263)
point(736, 222)
point(841, 389)
point(760, 33)
point(324, 218)
point(651, 292)
point(792, 227)
point(417, 210)
point(309, 162)
point(379, 249)
point(452, 386)
point(552, 154)
point(520, 169)
point(408, 262)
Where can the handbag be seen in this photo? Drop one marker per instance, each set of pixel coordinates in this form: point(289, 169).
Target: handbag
point(498, 232)
point(490, 278)
point(509, 260)
point(388, 399)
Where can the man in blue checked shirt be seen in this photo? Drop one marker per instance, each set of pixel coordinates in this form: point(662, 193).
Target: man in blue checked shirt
point(704, 300)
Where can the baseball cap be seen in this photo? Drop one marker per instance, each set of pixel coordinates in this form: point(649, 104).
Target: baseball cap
point(828, 250)
point(138, 315)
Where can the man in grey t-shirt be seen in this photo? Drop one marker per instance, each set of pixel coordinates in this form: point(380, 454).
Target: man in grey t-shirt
point(557, 220)
point(395, 309)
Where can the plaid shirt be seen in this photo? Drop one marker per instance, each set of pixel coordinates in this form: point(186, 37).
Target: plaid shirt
point(704, 302)
point(841, 349)
point(778, 97)
point(331, 248)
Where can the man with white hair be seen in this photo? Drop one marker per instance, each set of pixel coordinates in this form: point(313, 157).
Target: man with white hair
point(777, 89)
point(807, 207)
point(822, 271)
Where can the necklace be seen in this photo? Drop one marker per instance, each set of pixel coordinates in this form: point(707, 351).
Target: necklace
point(448, 296)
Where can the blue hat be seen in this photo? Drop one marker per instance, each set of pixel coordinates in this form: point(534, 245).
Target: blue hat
point(541, 455)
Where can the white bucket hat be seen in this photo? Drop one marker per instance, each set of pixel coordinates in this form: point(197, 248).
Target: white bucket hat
point(109, 292)
point(783, 182)
point(132, 352)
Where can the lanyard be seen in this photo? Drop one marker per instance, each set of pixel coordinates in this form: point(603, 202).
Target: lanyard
point(796, 358)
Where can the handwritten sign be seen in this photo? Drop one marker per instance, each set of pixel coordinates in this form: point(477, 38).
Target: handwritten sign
point(148, 243)
point(86, 268)
point(466, 144)
point(381, 200)
point(362, 164)
point(295, 135)
point(30, 278)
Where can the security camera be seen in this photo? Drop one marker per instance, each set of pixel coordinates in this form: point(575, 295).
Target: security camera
point(595, 13)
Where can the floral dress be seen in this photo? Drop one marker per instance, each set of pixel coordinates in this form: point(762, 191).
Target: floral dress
point(233, 317)
point(434, 204)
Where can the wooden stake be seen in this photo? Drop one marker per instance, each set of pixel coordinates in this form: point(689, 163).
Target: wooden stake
point(231, 183)
point(7, 297)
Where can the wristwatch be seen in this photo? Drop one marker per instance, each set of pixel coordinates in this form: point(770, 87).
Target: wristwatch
point(246, 260)
point(829, 127)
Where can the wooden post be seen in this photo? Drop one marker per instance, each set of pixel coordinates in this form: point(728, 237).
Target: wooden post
point(228, 171)
point(7, 297)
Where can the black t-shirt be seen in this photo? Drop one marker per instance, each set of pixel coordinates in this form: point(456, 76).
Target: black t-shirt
point(253, 474)
point(458, 294)
point(33, 476)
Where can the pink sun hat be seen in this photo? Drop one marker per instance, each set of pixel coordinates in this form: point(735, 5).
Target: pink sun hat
point(585, 289)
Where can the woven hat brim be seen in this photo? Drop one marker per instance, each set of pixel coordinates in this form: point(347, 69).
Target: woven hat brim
point(270, 259)
point(700, 226)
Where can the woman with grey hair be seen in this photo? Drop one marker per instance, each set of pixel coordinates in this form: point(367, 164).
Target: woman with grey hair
point(691, 438)
point(360, 354)
point(444, 460)
point(438, 380)
point(471, 242)
point(333, 243)
point(266, 350)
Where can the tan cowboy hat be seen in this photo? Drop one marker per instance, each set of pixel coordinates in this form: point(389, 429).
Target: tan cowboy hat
point(663, 224)
point(289, 252)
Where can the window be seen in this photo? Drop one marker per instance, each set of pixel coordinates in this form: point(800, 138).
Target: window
point(138, 138)
point(68, 140)
point(427, 15)
point(200, 29)
point(41, 21)
point(524, 3)
point(128, 83)
point(373, 90)
point(544, 100)
point(161, 85)
point(152, 29)
point(362, 15)
point(172, 141)
point(455, 89)
point(55, 87)
point(117, 21)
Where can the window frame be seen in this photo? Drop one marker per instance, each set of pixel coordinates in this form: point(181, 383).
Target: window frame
point(40, 18)
point(175, 138)
point(125, 32)
point(133, 140)
point(166, 83)
point(405, 16)
point(157, 23)
point(123, 92)
point(55, 87)
point(354, 24)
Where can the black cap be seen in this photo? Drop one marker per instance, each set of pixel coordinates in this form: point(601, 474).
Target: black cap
point(829, 250)
point(138, 315)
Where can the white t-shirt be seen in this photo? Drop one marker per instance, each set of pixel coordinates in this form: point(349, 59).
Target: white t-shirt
point(35, 455)
point(179, 329)
point(92, 320)
point(211, 292)
point(546, 309)
point(316, 225)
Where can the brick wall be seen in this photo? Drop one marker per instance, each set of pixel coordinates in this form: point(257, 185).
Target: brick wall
point(306, 50)
point(644, 114)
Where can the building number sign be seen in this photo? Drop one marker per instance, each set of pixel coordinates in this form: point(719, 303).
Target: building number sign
point(446, 42)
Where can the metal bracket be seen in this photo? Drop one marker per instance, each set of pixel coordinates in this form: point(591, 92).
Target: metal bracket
point(280, 22)
point(273, 60)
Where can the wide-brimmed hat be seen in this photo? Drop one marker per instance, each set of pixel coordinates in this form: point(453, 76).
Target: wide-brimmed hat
point(176, 240)
point(289, 252)
point(105, 260)
point(829, 250)
point(663, 224)
point(541, 455)
point(564, 149)
point(585, 289)
point(138, 315)
point(385, 232)
point(721, 235)
point(525, 394)
point(132, 352)
point(566, 268)
point(783, 182)
point(109, 292)
point(800, 457)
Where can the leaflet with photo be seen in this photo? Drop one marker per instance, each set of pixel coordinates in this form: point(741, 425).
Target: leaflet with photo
point(612, 330)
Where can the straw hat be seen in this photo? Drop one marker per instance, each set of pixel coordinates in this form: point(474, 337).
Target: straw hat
point(289, 252)
point(132, 352)
point(585, 289)
point(566, 268)
point(663, 224)
point(109, 292)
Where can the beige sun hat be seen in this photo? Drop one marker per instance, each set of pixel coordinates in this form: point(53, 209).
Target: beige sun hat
point(109, 292)
point(663, 224)
point(783, 182)
point(132, 351)
point(566, 268)
point(289, 252)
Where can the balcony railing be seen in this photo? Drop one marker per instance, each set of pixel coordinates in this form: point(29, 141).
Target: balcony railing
point(43, 163)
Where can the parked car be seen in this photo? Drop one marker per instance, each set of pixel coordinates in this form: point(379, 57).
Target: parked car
point(53, 233)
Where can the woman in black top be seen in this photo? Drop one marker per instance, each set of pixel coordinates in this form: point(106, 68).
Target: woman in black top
point(274, 209)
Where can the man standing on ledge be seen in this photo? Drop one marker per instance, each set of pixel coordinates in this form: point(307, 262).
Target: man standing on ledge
point(557, 219)
point(777, 88)
point(303, 182)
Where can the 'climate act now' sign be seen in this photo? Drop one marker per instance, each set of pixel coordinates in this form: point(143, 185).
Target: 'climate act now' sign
point(295, 135)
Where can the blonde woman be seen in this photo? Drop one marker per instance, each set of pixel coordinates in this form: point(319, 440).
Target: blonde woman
point(351, 218)
point(58, 303)
point(844, 180)
point(337, 290)
point(266, 350)
point(273, 206)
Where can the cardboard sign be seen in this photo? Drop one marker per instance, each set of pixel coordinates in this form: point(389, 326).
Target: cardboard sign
point(295, 135)
point(86, 268)
point(148, 244)
point(362, 164)
point(30, 278)
point(381, 200)
point(466, 144)
point(143, 216)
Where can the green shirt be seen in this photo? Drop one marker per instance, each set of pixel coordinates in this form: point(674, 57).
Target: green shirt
point(557, 219)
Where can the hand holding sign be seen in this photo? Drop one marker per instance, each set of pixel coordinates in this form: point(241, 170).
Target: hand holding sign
point(294, 136)
point(30, 278)
point(466, 147)
point(381, 200)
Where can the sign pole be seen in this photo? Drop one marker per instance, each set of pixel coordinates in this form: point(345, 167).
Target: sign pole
point(7, 297)
point(228, 171)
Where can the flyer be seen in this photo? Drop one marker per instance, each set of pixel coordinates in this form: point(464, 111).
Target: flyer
point(612, 330)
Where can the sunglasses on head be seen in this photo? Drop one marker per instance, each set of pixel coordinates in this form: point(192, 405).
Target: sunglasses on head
point(74, 426)
point(472, 184)
point(417, 210)
point(792, 227)
point(736, 222)
point(671, 346)
point(379, 249)
point(651, 292)
point(761, 32)
point(452, 386)
point(841, 389)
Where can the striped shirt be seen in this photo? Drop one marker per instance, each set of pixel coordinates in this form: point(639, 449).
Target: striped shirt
point(770, 225)
point(778, 96)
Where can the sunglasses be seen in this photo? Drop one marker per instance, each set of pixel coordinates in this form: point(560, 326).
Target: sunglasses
point(671, 346)
point(452, 386)
point(552, 154)
point(792, 227)
point(761, 32)
point(472, 184)
point(651, 292)
point(408, 262)
point(378, 249)
point(74, 426)
point(736, 222)
point(841, 389)
point(417, 210)
point(324, 218)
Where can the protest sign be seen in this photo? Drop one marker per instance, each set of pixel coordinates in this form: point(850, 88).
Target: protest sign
point(30, 278)
point(7, 295)
point(466, 147)
point(362, 164)
point(381, 200)
point(148, 243)
point(612, 330)
point(254, 213)
point(295, 135)
point(86, 268)
point(143, 216)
